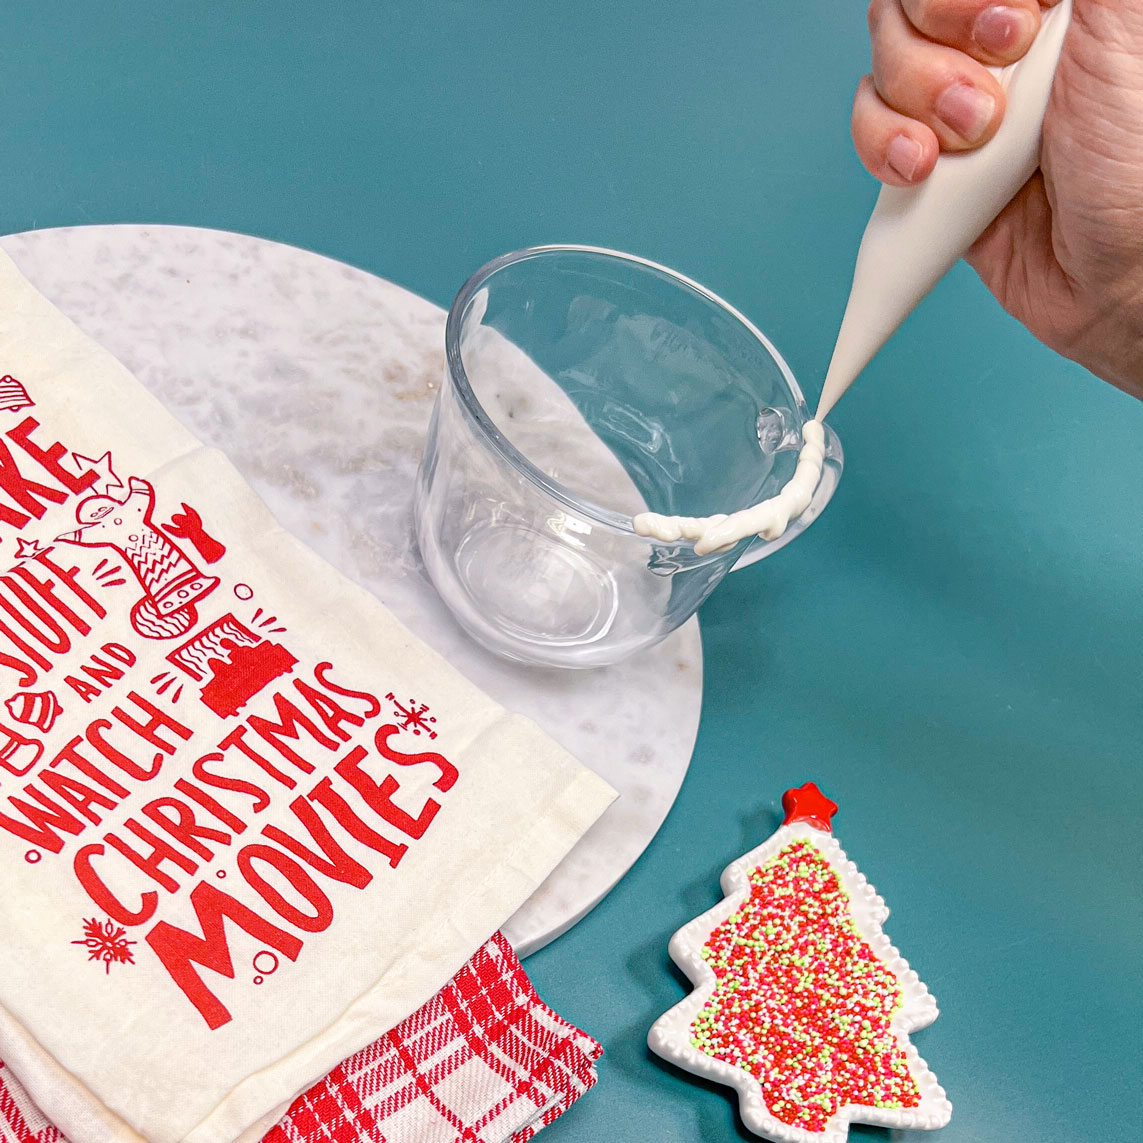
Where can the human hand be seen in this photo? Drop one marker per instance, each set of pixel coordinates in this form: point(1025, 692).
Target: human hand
point(1065, 257)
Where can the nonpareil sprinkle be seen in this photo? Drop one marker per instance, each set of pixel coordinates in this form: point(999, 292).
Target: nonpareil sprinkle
point(802, 1002)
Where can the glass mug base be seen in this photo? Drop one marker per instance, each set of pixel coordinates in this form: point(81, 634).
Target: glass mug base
point(583, 386)
point(527, 597)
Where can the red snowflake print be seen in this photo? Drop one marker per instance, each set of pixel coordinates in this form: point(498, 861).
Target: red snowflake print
point(106, 942)
point(413, 717)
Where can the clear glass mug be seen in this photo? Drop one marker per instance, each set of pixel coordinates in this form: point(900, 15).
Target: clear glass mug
point(583, 386)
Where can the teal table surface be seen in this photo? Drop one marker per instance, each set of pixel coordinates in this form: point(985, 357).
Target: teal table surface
point(954, 652)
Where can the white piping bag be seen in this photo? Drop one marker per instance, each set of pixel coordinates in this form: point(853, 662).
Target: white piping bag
point(917, 234)
point(913, 239)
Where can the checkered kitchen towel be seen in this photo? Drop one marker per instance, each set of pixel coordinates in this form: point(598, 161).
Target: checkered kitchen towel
point(484, 1061)
point(20, 1119)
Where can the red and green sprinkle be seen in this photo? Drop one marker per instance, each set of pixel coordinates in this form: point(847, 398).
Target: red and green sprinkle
point(802, 1002)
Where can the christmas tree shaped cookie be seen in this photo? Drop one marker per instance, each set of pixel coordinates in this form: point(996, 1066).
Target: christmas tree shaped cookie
point(800, 1001)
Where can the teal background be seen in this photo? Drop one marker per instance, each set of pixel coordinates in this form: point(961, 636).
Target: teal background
point(953, 653)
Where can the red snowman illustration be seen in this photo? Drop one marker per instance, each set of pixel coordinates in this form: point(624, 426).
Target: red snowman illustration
point(171, 583)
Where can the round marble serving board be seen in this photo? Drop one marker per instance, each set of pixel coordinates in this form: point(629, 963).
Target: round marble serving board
point(318, 380)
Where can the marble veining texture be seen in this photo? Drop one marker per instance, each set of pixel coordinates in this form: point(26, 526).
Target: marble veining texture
point(317, 380)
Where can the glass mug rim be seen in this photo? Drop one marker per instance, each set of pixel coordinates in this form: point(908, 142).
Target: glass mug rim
point(495, 438)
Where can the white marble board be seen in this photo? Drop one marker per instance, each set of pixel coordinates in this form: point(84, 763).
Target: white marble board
point(317, 380)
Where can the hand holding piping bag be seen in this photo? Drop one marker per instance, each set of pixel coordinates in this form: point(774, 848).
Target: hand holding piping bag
point(918, 232)
point(1038, 179)
point(1065, 257)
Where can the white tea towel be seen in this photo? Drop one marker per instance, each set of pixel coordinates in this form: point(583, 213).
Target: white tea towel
point(247, 821)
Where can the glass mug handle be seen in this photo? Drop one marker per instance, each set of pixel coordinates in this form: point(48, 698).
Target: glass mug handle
point(831, 474)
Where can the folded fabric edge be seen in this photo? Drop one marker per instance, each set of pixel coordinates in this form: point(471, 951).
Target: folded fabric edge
point(500, 1024)
point(575, 1052)
point(61, 1097)
point(583, 801)
point(83, 1118)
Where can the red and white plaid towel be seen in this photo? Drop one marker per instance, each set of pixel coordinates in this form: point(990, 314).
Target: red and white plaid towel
point(20, 1119)
point(484, 1061)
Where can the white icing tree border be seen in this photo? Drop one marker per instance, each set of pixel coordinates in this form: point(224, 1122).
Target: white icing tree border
point(670, 1036)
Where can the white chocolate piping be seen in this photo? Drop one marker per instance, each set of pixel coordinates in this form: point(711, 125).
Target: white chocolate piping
point(768, 520)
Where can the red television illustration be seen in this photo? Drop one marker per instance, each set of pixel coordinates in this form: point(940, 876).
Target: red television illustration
point(18, 753)
point(232, 662)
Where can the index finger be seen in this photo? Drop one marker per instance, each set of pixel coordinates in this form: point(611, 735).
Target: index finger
point(993, 33)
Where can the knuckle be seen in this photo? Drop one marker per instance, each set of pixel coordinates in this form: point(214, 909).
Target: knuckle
point(924, 14)
point(892, 86)
point(864, 102)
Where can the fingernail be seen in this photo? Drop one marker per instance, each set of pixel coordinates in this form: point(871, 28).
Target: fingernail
point(966, 111)
point(905, 156)
point(1003, 31)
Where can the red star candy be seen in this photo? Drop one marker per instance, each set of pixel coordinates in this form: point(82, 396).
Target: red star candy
point(808, 804)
